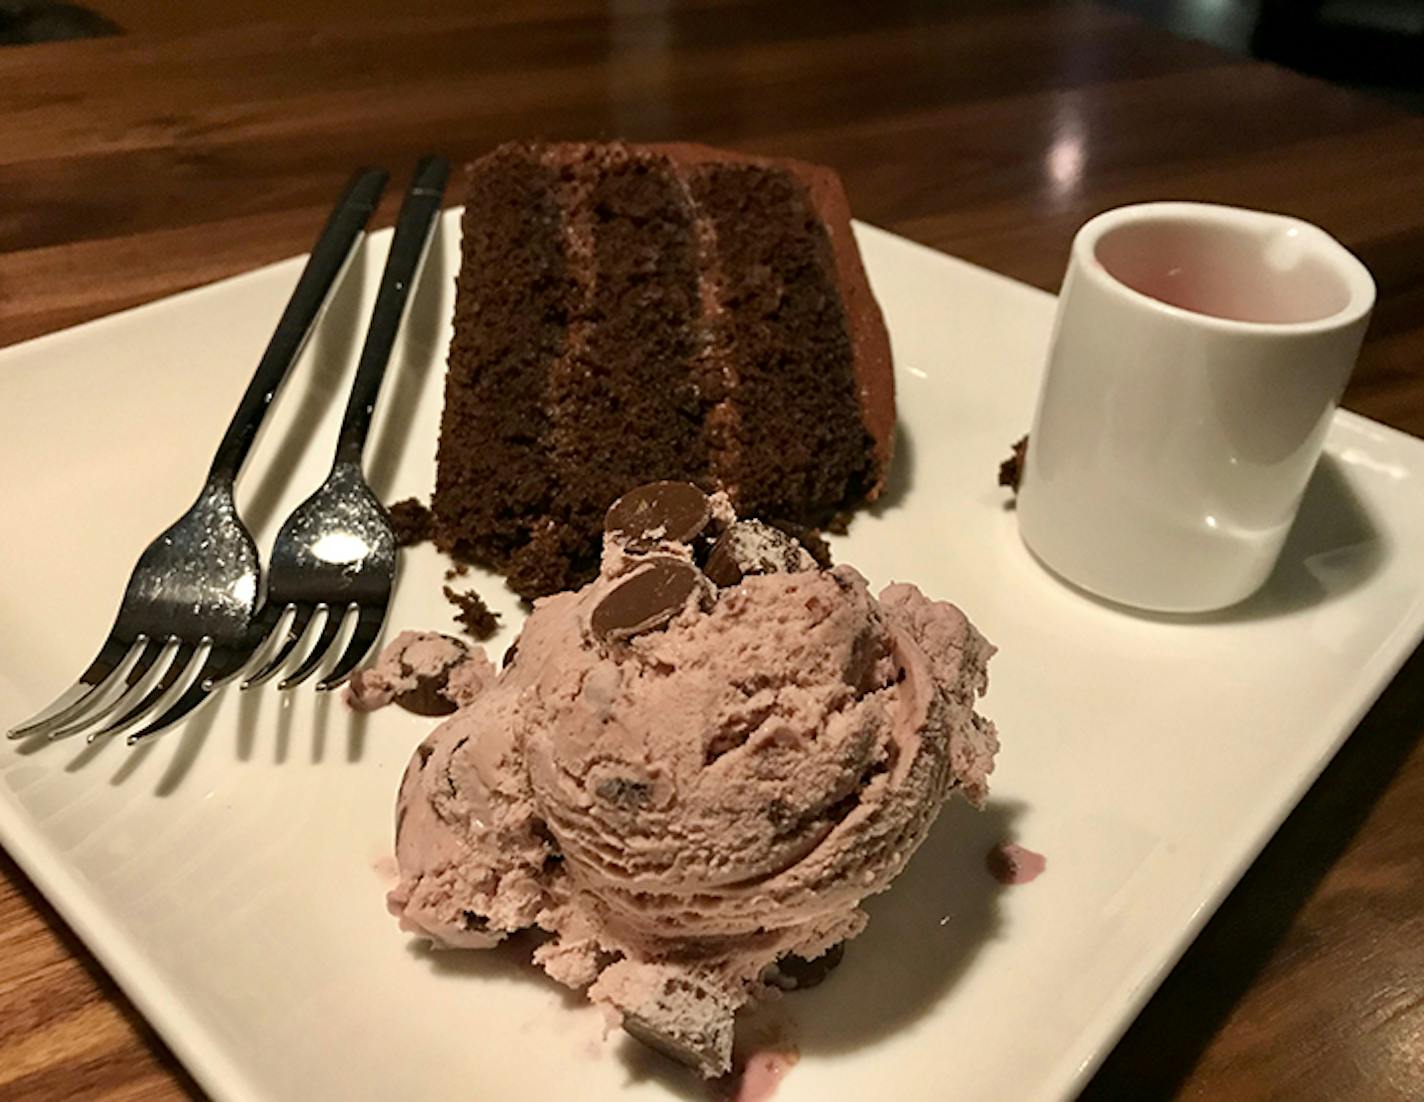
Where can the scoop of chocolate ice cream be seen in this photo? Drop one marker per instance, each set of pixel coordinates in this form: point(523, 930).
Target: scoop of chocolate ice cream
point(687, 784)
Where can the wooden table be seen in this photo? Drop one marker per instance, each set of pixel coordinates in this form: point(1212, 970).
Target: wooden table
point(210, 139)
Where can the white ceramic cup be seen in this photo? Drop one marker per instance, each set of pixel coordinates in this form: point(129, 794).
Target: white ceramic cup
point(1197, 356)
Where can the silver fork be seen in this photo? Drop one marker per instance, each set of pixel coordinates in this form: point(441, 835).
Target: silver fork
point(335, 557)
point(188, 618)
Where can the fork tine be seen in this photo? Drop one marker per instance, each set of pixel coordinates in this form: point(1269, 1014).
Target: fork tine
point(67, 704)
point(295, 630)
point(221, 665)
point(330, 629)
point(269, 630)
point(194, 697)
point(368, 629)
point(140, 674)
point(109, 667)
point(168, 664)
point(174, 678)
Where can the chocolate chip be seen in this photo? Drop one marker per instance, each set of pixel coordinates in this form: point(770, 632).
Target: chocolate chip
point(646, 599)
point(705, 1049)
point(702, 1039)
point(625, 793)
point(674, 512)
point(780, 813)
point(428, 697)
point(751, 547)
point(541, 830)
point(793, 973)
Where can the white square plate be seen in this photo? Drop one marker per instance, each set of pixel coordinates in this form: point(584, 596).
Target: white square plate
point(231, 874)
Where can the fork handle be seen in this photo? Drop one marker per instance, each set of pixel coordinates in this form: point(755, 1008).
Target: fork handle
point(328, 258)
point(413, 229)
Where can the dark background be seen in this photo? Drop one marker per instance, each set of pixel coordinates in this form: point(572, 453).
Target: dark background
point(1372, 45)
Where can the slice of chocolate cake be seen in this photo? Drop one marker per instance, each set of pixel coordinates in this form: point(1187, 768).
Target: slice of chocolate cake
point(626, 314)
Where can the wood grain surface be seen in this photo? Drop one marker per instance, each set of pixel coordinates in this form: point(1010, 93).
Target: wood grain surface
point(210, 138)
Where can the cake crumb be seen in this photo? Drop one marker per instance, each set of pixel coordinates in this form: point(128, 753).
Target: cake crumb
point(474, 615)
point(412, 522)
point(1011, 469)
point(459, 570)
